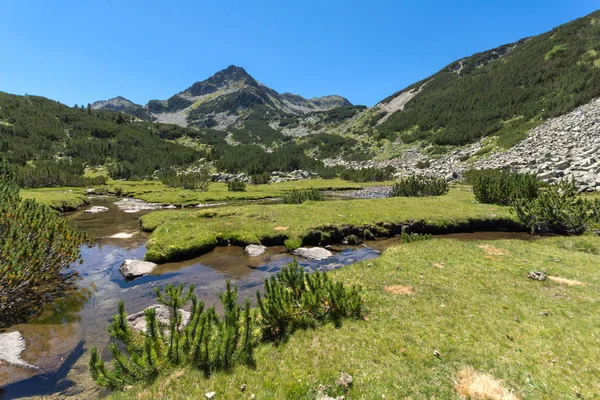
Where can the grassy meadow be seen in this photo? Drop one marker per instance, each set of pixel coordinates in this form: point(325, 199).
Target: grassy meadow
point(444, 318)
point(191, 232)
point(60, 199)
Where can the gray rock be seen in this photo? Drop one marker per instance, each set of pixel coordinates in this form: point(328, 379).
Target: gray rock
point(132, 269)
point(137, 321)
point(12, 345)
point(313, 253)
point(96, 210)
point(255, 250)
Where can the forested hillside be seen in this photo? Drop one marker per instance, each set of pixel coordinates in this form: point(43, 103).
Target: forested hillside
point(504, 91)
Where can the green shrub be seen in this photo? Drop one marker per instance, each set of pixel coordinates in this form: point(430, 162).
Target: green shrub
point(194, 180)
point(37, 250)
point(420, 186)
point(296, 196)
point(413, 237)
point(558, 209)
point(208, 342)
point(261, 179)
point(236, 186)
point(294, 299)
point(368, 174)
point(503, 187)
point(293, 243)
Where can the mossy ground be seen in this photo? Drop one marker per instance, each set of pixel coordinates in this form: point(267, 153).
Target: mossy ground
point(157, 192)
point(60, 199)
point(191, 232)
point(471, 304)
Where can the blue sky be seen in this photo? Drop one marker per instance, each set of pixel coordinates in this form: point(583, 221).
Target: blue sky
point(80, 51)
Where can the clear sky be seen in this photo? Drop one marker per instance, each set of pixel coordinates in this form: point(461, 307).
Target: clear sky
point(81, 51)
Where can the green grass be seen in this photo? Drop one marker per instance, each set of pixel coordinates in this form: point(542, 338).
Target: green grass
point(479, 310)
point(157, 192)
point(185, 233)
point(60, 199)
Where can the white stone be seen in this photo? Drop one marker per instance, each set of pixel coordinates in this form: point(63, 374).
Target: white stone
point(255, 250)
point(132, 269)
point(137, 321)
point(313, 253)
point(96, 210)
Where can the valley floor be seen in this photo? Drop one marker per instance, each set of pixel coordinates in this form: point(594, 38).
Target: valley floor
point(443, 317)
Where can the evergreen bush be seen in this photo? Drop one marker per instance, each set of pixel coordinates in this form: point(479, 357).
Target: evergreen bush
point(236, 186)
point(37, 250)
point(420, 186)
point(294, 299)
point(296, 196)
point(208, 342)
point(197, 179)
point(502, 187)
point(558, 209)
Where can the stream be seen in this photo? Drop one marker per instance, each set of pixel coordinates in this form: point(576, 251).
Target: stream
point(58, 342)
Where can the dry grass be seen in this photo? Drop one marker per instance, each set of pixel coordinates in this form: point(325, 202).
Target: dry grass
point(399, 289)
point(565, 281)
point(439, 265)
point(476, 385)
point(492, 250)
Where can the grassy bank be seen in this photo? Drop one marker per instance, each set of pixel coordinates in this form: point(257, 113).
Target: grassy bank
point(157, 192)
point(60, 199)
point(434, 309)
point(185, 233)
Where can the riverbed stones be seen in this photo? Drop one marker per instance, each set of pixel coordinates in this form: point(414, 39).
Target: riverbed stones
point(313, 253)
point(137, 321)
point(96, 210)
point(132, 269)
point(12, 345)
point(255, 250)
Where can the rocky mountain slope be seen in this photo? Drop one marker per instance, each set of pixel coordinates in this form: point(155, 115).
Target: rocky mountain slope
point(225, 99)
point(123, 105)
point(518, 83)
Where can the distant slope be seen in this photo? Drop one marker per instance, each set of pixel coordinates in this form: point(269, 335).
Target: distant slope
point(123, 105)
point(513, 85)
point(34, 128)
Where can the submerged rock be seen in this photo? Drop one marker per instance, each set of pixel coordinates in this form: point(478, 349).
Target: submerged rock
point(96, 210)
point(121, 235)
point(255, 250)
point(137, 321)
point(132, 269)
point(313, 253)
point(12, 345)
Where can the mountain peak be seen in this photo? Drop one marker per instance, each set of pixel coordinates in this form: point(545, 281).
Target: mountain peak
point(118, 103)
point(228, 77)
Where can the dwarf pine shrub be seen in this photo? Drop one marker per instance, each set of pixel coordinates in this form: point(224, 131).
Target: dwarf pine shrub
point(236, 186)
point(194, 180)
point(208, 342)
point(500, 187)
point(37, 250)
point(420, 186)
point(559, 209)
point(296, 196)
point(294, 299)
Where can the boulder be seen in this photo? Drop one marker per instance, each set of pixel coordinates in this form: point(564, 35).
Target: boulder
point(96, 210)
point(132, 269)
point(313, 253)
point(255, 250)
point(137, 321)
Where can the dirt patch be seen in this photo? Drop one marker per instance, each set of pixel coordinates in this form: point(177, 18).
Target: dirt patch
point(565, 281)
point(479, 386)
point(400, 290)
point(439, 265)
point(493, 250)
point(281, 228)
